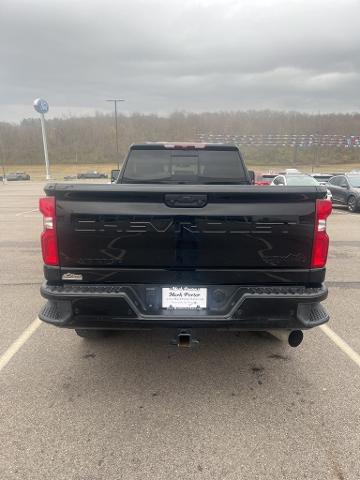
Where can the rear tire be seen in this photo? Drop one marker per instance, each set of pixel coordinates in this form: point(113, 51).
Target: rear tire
point(352, 204)
point(90, 334)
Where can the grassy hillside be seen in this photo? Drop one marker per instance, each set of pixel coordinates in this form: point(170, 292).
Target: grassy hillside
point(91, 140)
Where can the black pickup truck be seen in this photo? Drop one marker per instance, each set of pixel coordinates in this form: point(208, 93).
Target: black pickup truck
point(183, 239)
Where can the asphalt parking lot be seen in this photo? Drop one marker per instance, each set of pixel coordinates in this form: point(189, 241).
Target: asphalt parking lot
point(133, 407)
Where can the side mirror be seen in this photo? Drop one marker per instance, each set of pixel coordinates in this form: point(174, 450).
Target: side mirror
point(114, 175)
point(252, 176)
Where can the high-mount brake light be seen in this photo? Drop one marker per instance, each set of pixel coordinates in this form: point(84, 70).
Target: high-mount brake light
point(49, 245)
point(184, 146)
point(321, 239)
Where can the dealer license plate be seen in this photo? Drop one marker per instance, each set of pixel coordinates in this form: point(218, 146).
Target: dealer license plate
point(184, 298)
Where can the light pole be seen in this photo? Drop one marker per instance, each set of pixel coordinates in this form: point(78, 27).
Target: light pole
point(42, 107)
point(2, 154)
point(3, 169)
point(115, 101)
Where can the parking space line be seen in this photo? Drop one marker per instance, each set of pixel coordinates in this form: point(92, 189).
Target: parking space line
point(18, 343)
point(343, 346)
point(28, 211)
point(342, 211)
point(31, 329)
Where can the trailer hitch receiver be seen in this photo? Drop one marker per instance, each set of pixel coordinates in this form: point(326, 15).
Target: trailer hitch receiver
point(184, 339)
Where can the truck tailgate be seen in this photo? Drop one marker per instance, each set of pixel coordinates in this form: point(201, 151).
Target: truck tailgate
point(185, 226)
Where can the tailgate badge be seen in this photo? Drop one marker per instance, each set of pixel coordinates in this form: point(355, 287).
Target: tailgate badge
point(72, 276)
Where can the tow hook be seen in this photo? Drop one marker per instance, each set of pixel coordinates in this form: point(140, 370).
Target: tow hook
point(184, 339)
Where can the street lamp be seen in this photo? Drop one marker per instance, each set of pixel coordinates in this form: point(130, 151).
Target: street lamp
point(42, 107)
point(115, 101)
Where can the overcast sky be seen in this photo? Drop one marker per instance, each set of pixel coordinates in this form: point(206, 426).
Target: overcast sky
point(166, 55)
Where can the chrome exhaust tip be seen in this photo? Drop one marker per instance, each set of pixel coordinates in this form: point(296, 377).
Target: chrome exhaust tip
point(295, 338)
point(292, 337)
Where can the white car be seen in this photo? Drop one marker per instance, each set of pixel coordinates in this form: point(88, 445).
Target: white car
point(298, 180)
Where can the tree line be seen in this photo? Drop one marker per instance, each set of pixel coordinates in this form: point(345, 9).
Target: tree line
point(91, 139)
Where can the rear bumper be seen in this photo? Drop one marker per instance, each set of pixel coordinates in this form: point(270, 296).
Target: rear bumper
point(137, 306)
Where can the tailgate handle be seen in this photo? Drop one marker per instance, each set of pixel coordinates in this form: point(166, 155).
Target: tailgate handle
point(186, 200)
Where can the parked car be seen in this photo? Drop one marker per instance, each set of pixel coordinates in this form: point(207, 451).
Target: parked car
point(70, 177)
point(322, 178)
point(88, 175)
point(259, 179)
point(17, 176)
point(298, 180)
point(289, 171)
point(184, 240)
point(114, 175)
point(345, 190)
point(264, 179)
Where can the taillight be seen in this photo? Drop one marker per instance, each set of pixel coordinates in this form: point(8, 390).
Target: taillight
point(48, 237)
point(321, 239)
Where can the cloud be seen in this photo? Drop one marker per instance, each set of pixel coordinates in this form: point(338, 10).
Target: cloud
point(164, 55)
